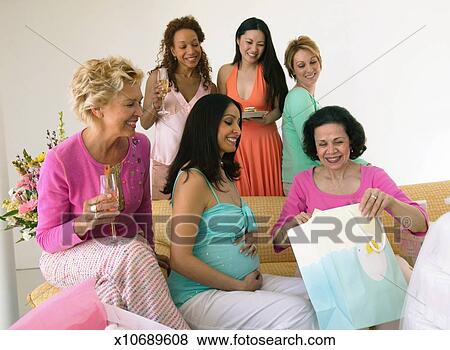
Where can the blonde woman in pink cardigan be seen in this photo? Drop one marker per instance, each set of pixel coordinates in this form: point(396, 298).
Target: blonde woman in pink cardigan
point(75, 220)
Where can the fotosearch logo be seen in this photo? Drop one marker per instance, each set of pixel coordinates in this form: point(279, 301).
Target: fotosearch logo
point(335, 231)
point(170, 228)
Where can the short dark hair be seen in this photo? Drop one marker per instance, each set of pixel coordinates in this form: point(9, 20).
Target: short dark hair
point(334, 115)
point(199, 147)
point(273, 72)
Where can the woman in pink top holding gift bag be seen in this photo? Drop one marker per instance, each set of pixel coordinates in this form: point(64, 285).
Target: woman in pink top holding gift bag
point(334, 137)
point(256, 80)
point(107, 236)
point(167, 104)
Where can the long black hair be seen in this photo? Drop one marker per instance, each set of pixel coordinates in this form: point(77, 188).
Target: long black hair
point(273, 72)
point(199, 147)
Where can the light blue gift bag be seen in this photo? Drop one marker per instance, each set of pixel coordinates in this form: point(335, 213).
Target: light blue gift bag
point(351, 285)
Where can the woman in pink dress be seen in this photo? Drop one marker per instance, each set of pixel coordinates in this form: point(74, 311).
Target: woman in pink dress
point(189, 78)
point(256, 80)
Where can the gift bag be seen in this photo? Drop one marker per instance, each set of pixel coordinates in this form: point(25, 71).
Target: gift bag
point(79, 308)
point(123, 319)
point(349, 269)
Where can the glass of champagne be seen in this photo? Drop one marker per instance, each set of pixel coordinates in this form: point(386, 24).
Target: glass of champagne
point(108, 185)
point(163, 79)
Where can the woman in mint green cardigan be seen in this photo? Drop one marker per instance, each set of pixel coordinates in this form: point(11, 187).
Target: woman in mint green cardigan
point(304, 63)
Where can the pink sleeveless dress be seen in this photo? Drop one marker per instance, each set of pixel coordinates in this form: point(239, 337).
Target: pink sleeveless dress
point(168, 132)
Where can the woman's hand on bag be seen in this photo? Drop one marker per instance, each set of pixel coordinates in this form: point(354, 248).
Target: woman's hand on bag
point(253, 281)
point(373, 202)
point(249, 247)
point(302, 217)
point(100, 210)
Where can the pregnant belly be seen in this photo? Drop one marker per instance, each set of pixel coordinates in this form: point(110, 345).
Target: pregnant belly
point(228, 260)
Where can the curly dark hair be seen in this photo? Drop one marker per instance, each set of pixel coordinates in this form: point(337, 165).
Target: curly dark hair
point(199, 147)
point(166, 59)
point(334, 115)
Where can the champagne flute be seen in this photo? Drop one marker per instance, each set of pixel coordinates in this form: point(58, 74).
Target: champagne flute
point(108, 185)
point(163, 79)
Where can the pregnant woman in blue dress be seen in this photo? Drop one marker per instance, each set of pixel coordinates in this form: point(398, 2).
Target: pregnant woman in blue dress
point(215, 280)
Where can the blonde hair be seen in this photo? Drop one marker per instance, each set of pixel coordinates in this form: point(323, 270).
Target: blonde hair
point(302, 42)
point(97, 81)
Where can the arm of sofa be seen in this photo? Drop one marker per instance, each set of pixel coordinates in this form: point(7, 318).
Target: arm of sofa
point(432, 196)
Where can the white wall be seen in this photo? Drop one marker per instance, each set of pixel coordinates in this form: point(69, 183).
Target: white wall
point(401, 99)
point(8, 287)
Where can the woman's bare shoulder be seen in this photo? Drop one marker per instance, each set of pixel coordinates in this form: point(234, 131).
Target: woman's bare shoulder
point(192, 183)
point(225, 70)
point(192, 190)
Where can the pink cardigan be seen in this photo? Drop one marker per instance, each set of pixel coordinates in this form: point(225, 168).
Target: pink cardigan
point(305, 196)
point(70, 175)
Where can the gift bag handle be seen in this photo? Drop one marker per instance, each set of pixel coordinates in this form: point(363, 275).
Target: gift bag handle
point(382, 245)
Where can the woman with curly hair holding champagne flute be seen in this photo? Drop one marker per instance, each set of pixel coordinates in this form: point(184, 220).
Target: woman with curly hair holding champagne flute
point(173, 87)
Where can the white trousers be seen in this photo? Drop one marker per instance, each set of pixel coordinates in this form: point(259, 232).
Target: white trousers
point(281, 303)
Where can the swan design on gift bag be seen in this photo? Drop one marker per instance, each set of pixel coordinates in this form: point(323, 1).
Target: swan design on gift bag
point(372, 258)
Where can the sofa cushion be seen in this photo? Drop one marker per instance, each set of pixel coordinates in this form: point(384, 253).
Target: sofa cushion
point(41, 293)
point(280, 268)
point(267, 210)
point(432, 196)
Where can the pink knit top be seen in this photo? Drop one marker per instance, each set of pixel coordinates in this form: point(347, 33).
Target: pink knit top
point(305, 196)
point(70, 176)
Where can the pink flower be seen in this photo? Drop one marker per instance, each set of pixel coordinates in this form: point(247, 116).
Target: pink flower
point(26, 182)
point(28, 206)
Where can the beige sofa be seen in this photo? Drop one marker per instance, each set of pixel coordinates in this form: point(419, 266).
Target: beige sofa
point(267, 210)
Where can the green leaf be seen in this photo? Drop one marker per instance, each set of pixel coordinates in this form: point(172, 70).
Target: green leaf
point(26, 155)
point(9, 213)
point(25, 223)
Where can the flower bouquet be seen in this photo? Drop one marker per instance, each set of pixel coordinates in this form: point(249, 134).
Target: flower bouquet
point(21, 205)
